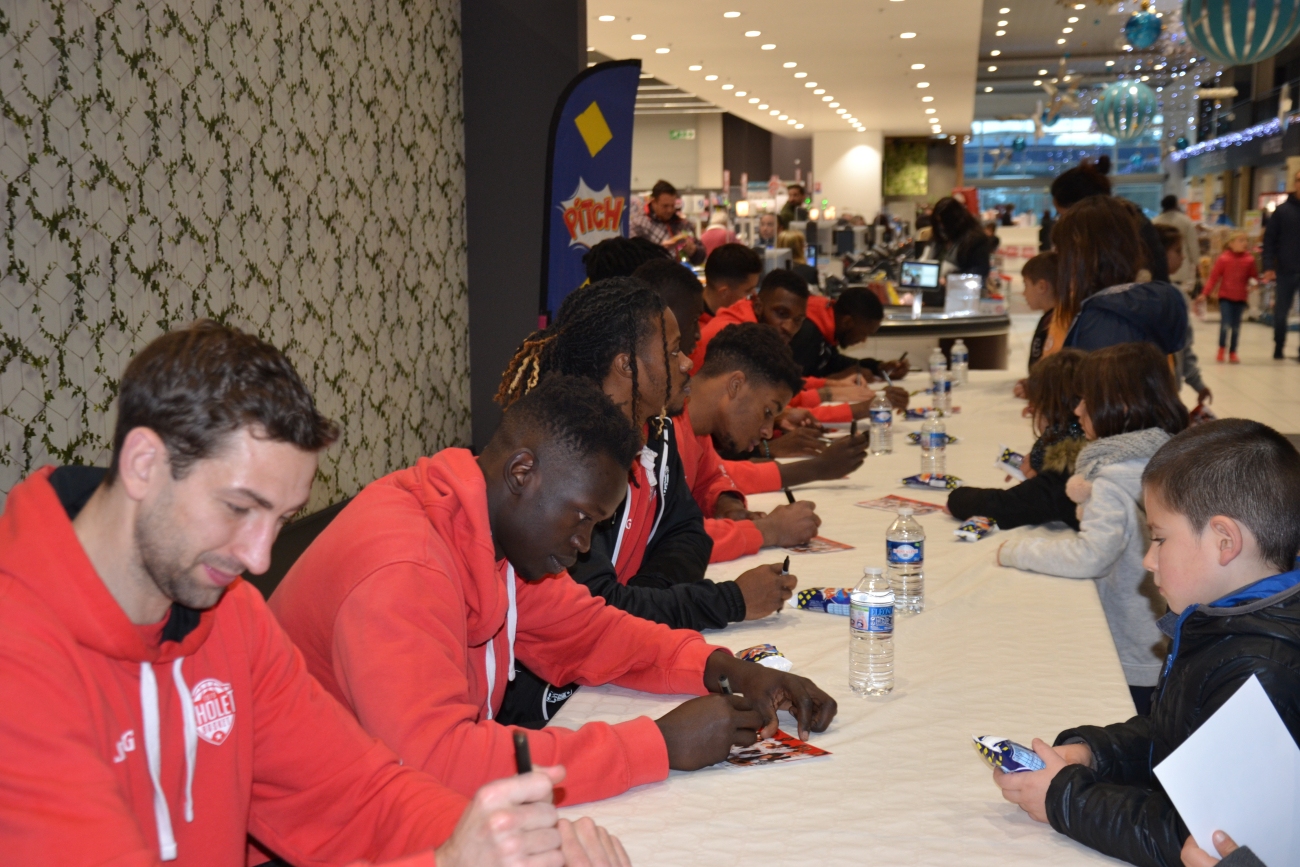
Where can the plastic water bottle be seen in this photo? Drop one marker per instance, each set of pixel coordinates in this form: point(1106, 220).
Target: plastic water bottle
point(905, 554)
point(941, 399)
point(871, 634)
point(934, 444)
point(960, 363)
point(882, 420)
point(938, 363)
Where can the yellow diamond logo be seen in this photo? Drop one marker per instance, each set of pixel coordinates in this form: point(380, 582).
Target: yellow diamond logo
point(593, 129)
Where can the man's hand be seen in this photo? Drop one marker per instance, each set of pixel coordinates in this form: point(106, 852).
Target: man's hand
point(797, 417)
point(731, 507)
point(897, 396)
point(849, 392)
point(1268, 276)
point(510, 823)
point(765, 590)
point(1195, 856)
point(1029, 789)
point(789, 525)
point(771, 690)
point(702, 731)
point(797, 443)
point(586, 844)
point(841, 457)
point(897, 369)
point(1204, 396)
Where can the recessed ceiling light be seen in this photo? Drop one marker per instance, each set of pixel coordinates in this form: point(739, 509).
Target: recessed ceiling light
point(695, 67)
point(638, 36)
point(728, 87)
point(753, 100)
point(1067, 29)
point(819, 91)
point(710, 78)
point(1060, 42)
point(792, 122)
point(789, 64)
point(841, 111)
point(810, 84)
point(783, 117)
point(827, 98)
point(801, 75)
point(774, 112)
point(1002, 24)
point(931, 110)
point(1004, 10)
point(752, 33)
point(993, 69)
point(1110, 63)
point(923, 84)
point(741, 93)
point(988, 90)
point(768, 47)
point(763, 107)
point(605, 18)
point(907, 35)
point(1146, 78)
point(1044, 71)
point(798, 126)
point(1080, 5)
point(918, 66)
point(661, 51)
point(862, 129)
point(927, 99)
point(836, 105)
point(1072, 20)
point(1038, 82)
point(730, 14)
point(1000, 33)
point(591, 48)
point(994, 53)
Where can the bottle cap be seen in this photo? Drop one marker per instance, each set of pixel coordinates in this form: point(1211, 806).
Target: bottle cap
point(872, 570)
point(905, 512)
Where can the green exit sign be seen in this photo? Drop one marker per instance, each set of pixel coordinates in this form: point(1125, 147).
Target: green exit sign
point(681, 134)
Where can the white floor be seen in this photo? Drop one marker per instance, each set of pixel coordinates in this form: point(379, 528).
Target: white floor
point(1258, 388)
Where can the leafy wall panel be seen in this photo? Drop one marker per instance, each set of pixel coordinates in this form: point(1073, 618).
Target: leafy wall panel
point(293, 167)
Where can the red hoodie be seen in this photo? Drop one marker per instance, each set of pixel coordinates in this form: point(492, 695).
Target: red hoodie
point(1235, 270)
point(743, 311)
point(822, 314)
point(708, 479)
point(90, 706)
point(404, 613)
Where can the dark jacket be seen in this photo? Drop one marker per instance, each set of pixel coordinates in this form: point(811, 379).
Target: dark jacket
point(1131, 313)
point(1282, 238)
point(1035, 501)
point(1039, 338)
point(669, 587)
point(816, 357)
point(972, 253)
point(1120, 808)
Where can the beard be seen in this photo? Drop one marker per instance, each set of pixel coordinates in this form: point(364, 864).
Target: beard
point(160, 543)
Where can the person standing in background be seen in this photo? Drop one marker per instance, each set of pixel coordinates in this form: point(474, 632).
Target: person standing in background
point(796, 244)
point(1170, 215)
point(1282, 263)
point(719, 231)
point(661, 223)
point(797, 196)
point(768, 226)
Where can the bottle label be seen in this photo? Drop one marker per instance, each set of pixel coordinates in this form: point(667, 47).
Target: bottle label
point(943, 384)
point(905, 552)
point(936, 440)
point(882, 417)
point(878, 619)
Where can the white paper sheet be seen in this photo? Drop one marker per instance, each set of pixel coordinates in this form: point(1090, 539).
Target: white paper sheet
point(1240, 773)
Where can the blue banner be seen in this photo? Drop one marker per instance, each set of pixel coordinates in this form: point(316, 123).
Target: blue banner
point(589, 173)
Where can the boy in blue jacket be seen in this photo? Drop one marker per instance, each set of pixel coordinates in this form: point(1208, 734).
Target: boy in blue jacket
point(1223, 505)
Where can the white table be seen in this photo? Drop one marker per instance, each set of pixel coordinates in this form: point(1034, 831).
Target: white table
point(996, 651)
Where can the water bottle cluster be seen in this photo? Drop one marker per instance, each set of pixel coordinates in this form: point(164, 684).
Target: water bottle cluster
point(876, 601)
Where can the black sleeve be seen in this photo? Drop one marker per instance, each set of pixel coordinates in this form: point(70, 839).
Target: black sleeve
point(1242, 857)
point(1121, 752)
point(1035, 501)
point(678, 553)
point(1137, 824)
point(1270, 245)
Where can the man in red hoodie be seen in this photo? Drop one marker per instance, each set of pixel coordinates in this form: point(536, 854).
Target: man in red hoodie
point(412, 606)
point(154, 710)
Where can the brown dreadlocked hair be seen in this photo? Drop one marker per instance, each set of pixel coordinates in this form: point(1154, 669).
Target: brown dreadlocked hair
point(594, 325)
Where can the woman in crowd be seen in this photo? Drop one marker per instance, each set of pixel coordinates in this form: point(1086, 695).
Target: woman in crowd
point(794, 242)
point(962, 244)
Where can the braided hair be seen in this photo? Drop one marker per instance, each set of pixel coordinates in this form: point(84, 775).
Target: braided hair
point(594, 325)
point(619, 257)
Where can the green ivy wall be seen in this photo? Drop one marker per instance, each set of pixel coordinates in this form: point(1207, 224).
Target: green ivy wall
point(294, 168)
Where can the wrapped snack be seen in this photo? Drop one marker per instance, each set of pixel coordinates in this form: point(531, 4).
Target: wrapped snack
point(919, 414)
point(914, 438)
point(933, 480)
point(1011, 462)
point(831, 600)
point(1004, 753)
point(766, 654)
point(975, 529)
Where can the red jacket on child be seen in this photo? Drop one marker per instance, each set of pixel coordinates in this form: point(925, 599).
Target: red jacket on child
point(92, 702)
point(405, 614)
point(708, 478)
point(1234, 270)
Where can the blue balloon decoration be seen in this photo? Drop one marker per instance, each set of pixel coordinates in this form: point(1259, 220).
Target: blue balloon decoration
point(1125, 109)
point(1182, 143)
point(1241, 32)
point(1143, 29)
point(1018, 143)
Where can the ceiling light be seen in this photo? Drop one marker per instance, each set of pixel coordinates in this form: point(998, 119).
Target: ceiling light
point(763, 107)
point(993, 69)
point(1080, 6)
point(908, 35)
point(1000, 33)
point(841, 111)
point(753, 100)
point(1072, 20)
point(801, 75)
point(798, 126)
point(1060, 42)
point(710, 78)
point(741, 93)
point(783, 117)
point(753, 33)
point(923, 84)
point(637, 37)
point(789, 64)
point(819, 91)
point(918, 66)
point(605, 18)
point(1002, 24)
point(835, 105)
point(994, 53)
point(1067, 29)
point(728, 87)
point(1038, 82)
point(1043, 71)
point(661, 51)
point(1110, 63)
point(774, 112)
point(927, 99)
point(1146, 78)
point(827, 98)
point(768, 47)
point(591, 48)
point(862, 129)
point(695, 67)
point(988, 90)
point(792, 122)
point(931, 110)
point(1004, 10)
point(730, 14)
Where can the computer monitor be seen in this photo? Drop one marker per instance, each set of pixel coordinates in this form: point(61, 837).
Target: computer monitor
point(919, 275)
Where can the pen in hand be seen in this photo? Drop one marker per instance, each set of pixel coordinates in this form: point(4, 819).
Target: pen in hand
point(523, 759)
point(785, 567)
point(724, 684)
point(789, 497)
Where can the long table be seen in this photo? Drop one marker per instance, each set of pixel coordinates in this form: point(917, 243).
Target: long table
point(996, 651)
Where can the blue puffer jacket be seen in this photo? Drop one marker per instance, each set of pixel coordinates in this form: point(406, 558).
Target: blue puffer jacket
point(1131, 313)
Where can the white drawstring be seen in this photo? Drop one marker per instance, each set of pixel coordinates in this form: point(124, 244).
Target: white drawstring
point(153, 752)
point(512, 623)
point(663, 490)
point(623, 522)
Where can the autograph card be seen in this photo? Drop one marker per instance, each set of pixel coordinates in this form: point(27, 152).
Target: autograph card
point(893, 501)
point(777, 750)
point(819, 545)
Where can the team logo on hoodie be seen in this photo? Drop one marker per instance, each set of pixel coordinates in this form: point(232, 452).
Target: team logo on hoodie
point(214, 710)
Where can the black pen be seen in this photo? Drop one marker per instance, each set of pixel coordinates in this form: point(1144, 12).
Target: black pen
point(523, 759)
point(724, 684)
point(789, 496)
point(785, 567)
point(853, 428)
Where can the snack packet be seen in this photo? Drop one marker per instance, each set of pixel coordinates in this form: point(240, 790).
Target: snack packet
point(933, 480)
point(831, 600)
point(1011, 462)
point(919, 414)
point(975, 529)
point(1004, 753)
point(766, 655)
point(914, 438)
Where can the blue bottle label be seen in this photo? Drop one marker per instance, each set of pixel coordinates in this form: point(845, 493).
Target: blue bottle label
point(882, 416)
point(936, 440)
point(943, 385)
point(878, 619)
point(905, 552)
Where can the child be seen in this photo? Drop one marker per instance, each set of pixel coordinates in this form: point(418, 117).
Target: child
point(1128, 409)
point(1187, 367)
point(1042, 498)
point(1233, 272)
point(1039, 274)
point(1223, 504)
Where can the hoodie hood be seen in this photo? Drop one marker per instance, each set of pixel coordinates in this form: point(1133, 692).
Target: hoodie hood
point(1154, 309)
point(40, 549)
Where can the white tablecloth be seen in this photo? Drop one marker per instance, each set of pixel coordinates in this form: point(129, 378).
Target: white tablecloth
point(996, 651)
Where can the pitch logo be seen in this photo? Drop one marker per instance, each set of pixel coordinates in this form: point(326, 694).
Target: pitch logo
point(214, 710)
point(591, 216)
point(125, 744)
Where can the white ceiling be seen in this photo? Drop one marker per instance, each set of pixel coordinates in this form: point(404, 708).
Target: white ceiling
point(852, 49)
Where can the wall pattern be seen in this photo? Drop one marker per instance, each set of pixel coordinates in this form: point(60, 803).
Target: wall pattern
point(292, 167)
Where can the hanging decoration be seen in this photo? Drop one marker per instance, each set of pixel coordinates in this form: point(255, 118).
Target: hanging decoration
point(1018, 143)
point(1125, 109)
point(1143, 28)
point(1061, 96)
point(1241, 32)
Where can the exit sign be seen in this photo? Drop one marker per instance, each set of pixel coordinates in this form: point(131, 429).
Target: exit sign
point(681, 134)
